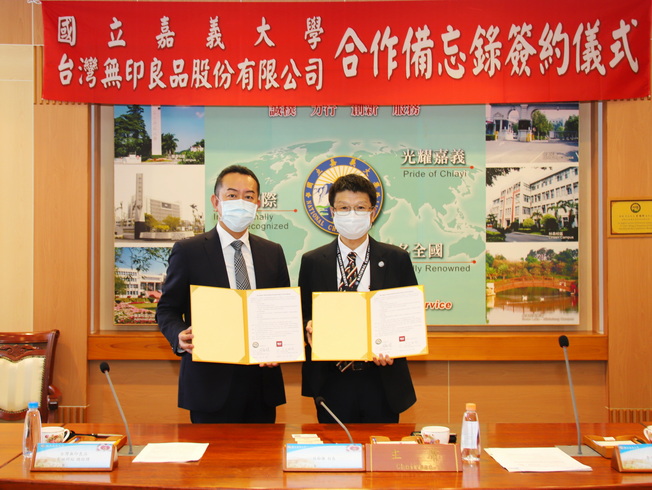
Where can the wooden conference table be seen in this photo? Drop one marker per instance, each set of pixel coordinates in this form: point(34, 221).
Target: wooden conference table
point(250, 456)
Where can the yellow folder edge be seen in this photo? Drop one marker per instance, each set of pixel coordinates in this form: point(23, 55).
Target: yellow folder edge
point(218, 324)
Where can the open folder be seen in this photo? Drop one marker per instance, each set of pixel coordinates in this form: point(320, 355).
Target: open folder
point(246, 326)
point(355, 326)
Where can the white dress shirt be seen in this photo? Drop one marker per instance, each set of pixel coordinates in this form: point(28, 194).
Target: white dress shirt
point(360, 252)
point(229, 253)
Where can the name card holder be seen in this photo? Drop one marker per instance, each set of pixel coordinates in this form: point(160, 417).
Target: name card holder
point(92, 456)
point(604, 445)
point(413, 457)
point(323, 457)
point(633, 458)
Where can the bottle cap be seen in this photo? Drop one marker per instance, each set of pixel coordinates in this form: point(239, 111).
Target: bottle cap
point(470, 406)
point(32, 405)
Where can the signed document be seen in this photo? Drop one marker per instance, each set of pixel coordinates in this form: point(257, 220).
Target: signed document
point(246, 326)
point(357, 326)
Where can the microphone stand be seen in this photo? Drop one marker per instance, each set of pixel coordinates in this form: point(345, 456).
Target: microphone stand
point(320, 401)
point(572, 450)
point(115, 396)
point(572, 390)
point(104, 367)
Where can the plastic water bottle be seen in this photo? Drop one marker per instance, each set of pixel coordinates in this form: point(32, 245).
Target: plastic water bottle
point(32, 430)
point(470, 435)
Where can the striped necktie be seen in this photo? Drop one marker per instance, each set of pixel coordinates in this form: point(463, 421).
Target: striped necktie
point(241, 276)
point(350, 274)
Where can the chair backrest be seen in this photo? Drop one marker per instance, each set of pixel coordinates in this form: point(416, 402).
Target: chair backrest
point(26, 364)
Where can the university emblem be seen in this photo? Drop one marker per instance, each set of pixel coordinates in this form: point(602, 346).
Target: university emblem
point(320, 180)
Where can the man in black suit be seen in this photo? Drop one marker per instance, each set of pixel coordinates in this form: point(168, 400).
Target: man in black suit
point(374, 392)
point(215, 392)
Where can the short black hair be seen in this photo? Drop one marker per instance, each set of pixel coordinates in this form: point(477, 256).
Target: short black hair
point(235, 169)
point(355, 183)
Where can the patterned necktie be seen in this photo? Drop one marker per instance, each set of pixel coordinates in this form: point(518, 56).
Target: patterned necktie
point(350, 274)
point(346, 284)
point(241, 276)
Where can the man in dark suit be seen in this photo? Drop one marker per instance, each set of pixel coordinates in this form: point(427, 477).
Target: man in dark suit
point(215, 392)
point(374, 392)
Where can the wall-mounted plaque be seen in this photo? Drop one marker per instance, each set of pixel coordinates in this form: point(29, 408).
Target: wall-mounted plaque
point(631, 217)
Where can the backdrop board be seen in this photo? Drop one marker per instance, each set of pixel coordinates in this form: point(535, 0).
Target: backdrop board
point(484, 198)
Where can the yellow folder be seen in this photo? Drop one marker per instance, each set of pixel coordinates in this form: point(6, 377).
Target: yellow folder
point(246, 326)
point(355, 325)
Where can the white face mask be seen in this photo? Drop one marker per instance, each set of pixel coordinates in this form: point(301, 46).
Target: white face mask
point(238, 214)
point(352, 226)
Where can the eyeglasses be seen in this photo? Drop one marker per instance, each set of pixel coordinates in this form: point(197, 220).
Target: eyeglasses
point(346, 210)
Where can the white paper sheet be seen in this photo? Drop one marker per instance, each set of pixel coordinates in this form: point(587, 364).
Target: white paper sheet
point(171, 452)
point(398, 322)
point(535, 459)
point(275, 325)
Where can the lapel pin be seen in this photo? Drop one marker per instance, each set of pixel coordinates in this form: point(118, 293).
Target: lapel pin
point(381, 264)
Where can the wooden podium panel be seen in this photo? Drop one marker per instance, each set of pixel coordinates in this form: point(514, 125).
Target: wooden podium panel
point(250, 456)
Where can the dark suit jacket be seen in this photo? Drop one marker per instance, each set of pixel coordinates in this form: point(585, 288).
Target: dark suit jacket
point(390, 267)
point(199, 260)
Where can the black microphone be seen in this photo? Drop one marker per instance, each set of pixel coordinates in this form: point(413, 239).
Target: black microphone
point(563, 343)
point(104, 367)
point(320, 401)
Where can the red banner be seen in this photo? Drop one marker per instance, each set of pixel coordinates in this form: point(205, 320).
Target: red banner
point(345, 53)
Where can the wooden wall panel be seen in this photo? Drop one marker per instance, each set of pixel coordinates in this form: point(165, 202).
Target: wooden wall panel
point(61, 239)
point(442, 346)
point(37, 23)
point(141, 386)
point(16, 188)
point(16, 21)
point(530, 391)
point(504, 392)
point(628, 159)
point(629, 270)
point(628, 175)
point(431, 383)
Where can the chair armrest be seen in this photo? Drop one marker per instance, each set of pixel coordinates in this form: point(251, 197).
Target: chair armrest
point(53, 398)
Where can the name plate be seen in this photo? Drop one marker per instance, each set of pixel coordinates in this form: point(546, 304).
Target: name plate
point(632, 458)
point(323, 457)
point(631, 217)
point(92, 456)
point(604, 445)
point(413, 457)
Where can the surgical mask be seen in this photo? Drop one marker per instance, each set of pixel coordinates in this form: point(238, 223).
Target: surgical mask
point(353, 225)
point(238, 214)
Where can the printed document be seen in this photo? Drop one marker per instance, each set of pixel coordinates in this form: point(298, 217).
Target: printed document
point(535, 459)
point(246, 326)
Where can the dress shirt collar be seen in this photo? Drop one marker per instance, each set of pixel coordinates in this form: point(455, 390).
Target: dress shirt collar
point(361, 251)
point(226, 239)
